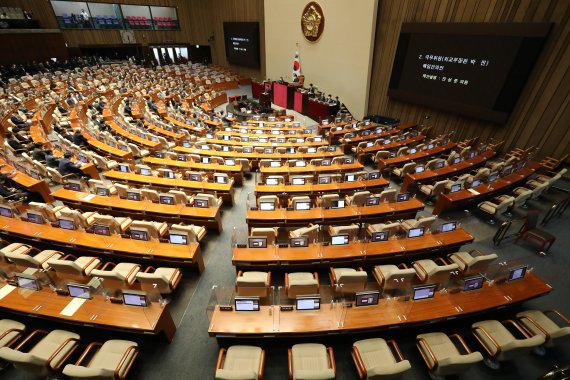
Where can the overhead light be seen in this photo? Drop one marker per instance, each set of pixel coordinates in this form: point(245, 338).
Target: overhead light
point(197, 46)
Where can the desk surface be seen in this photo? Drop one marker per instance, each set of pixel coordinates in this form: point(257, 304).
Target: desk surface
point(392, 145)
point(270, 322)
point(268, 144)
point(356, 252)
point(421, 155)
point(310, 169)
point(113, 247)
point(152, 145)
point(191, 165)
point(336, 187)
point(35, 185)
point(96, 312)
point(258, 156)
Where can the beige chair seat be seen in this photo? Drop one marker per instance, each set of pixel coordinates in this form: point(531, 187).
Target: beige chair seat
point(311, 361)
point(114, 356)
point(44, 357)
point(164, 280)
point(500, 343)
point(83, 265)
point(125, 272)
point(240, 362)
point(348, 280)
point(538, 323)
point(350, 230)
point(301, 283)
point(442, 356)
point(391, 277)
point(470, 264)
point(10, 331)
point(424, 222)
point(18, 248)
point(253, 283)
point(41, 260)
point(195, 233)
point(429, 271)
point(391, 228)
point(270, 233)
point(312, 232)
point(378, 360)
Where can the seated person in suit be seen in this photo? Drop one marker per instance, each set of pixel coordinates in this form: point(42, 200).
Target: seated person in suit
point(62, 110)
point(15, 144)
point(51, 160)
point(295, 78)
point(70, 101)
point(9, 191)
point(25, 111)
point(128, 110)
point(18, 121)
point(39, 153)
point(78, 138)
point(21, 136)
point(67, 167)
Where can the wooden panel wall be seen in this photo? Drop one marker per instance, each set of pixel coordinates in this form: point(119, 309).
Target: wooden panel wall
point(28, 47)
point(542, 115)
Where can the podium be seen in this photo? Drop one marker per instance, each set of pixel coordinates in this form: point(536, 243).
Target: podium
point(265, 100)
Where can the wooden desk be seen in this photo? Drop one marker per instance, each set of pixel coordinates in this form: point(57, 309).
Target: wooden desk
point(270, 322)
point(169, 135)
point(385, 163)
point(351, 214)
point(111, 247)
point(34, 185)
point(198, 130)
point(266, 144)
point(96, 312)
point(465, 198)
point(335, 135)
point(371, 151)
point(151, 145)
point(209, 217)
point(234, 171)
point(314, 190)
point(411, 179)
point(107, 150)
point(356, 253)
point(236, 132)
point(226, 191)
point(310, 169)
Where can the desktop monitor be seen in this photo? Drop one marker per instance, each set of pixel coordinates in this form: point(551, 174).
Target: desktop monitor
point(456, 160)
point(324, 180)
point(298, 181)
point(166, 199)
point(35, 218)
point(230, 162)
point(205, 147)
point(379, 236)
point(272, 181)
point(367, 298)
point(221, 179)
point(145, 171)
point(133, 196)
point(158, 155)
point(493, 177)
point(337, 120)
point(439, 165)
point(349, 178)
point(291, 151)
point(507, 170)
point(311, 149)
point(448, 227)
point(205, 160)
point(267, 206)
point(75, 186)
point(101, 229)
point(275, 164)
point(26, 281)
point(79, 291)
point(66, 224)
point(83, 158)
point(186, 144)
point(372, 201)
point(124, 168)
point(298, 242)
point(300, 140)
point(475, 183)
point(517, 273)
point(471, 154)
point(423, 292)
point(6, 211)
point(308, 302)
point(369, 144)
point(135, 298)
point(168, 174)
point(263, 139)
point(280, 140)
point(246, 303)
point(387, 141)
point(225, 148)
point(420, 169)
point(416, 232)
point(317, 139)
point(330, 149)
point(325, 122)
point(374, 175)
point(268, 150)
point(429, 146)
point(300, 163)
point(257, 242)
point(209, 136)
point(180, 239)
point(338, 203)
point(473, 283)
point(195, 177)
point(402, 197)
point(302, 206)
point(455, 188)
point(201, 203)
point(181, 157)
point(339, 239)
point(412, 151)
point(392, 154)
point(226, 138)
point(103, 191)
point(348, 160)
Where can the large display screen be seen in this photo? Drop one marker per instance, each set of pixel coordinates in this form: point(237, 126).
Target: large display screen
point(242, 43)
point(474, 69)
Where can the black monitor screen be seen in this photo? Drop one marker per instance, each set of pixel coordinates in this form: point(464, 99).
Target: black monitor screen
point(475, 69)
point(35, 218)
point(133, 196)
point(66, 224)
point(402, 197)
point(257, 242)
point(456, 160)
point(73, 186)
point(301, 241)
point(424, 292)
point(455, 188)
point(372, 201)
point(324, 180)
point(448, 227)
point(79, 291)
point(100, 229)
point(374, 175)
point(27, 282)
point(103, 191)
point(201, 203)
point(134, 298)
point(420, 169)
point(380, 236)
point(242, 43)
point(6, 211)
point(367, 298)
point(166, 199)
point(338, 203)
point(267, 206)
point(439, 164)
point(178, 239)
point(246, 304)
point(308, 303)
point(473, 283)
point(493, 177)
point(124, 168)
point(139, 235)
point(517, 273)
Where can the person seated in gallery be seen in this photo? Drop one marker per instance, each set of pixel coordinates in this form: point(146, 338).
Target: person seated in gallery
point(66, 167)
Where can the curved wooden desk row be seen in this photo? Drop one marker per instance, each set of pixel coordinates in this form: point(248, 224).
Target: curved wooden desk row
point(418, 156)
point(136, 139)
point(97, 312)
point(180, 124)
point(310, 169)
point(317, 189)
point(392, 313)
point(209, 217)
point(336, 135)
point(350, 214)
point(266, 144)
point(371, 151)
point(464, 198)
point(107, 150)
point(112, 247)
point(234, 171)
point(356, 253)
point(411, 179)
point(226, 190)
point(168, 134)
point(33, 185)
point(237, 131)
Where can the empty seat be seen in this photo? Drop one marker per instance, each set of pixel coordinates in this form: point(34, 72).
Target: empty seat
point(348, 280)
point(150, 195)
point(193, 233)
point(359, 198)
point(407, 168)
point(301, 283)
point(38, 261)
point(432, 191)
point(270, 199)
point(311, 361)
point(81, 266)
point(390, 277)
point(113, 360)
point(472, 262)
point(270, 233)
point(240, 362)
point(374, 359)
point(442, 356)
point(429, 271)
point(530, 232)
point(164, 280)
point(212, 200)
point(47, 356)
point(10, 332)
point(350, 230)
point(326, 200)
point(538, 323)
point(153, 230)
point(122, 273)
point(422, 221)
point(390, 227)
point(312, 232)
point(500, 205)
point(253, 283)
point(388, 195)
point(300, 199)
point(116, 224)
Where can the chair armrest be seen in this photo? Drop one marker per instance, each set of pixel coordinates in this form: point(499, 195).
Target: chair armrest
point(461, 341)
point(332, 362)
point(517, 326)
point(9, 331)
point(124, 358)
point(69, 256)
point(396, 349)
point(477, 252)
point(332, 277)
point(557, 312)
point(86, 352)
point(176, 275)
point(268, 284)
point(108, 264)
point(403, 266)
point(441, 260)
point(149, 268)
point(61, 347)
point(430, 352)
point(29, 337)
point(286, 280)
point(379, 277)
point(422, 270)
point(482, 342)
point(261, 365)
point(290, 362)
point(359, 363)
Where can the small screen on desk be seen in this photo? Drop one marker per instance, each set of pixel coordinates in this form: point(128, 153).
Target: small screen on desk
point(430, 146)
point(103, 191)
point(339, 240)
point(517, 273)
point(133, 196)
point(330, 149)
point(257, 242)
point(455, 188)
point(456, 160)
point(201, 203)
point(139, 235)
point(27, 281)
point(244, 139)
point(507, 171)
point(185, 144)
point(246, 304)
point(205, 160)
point(324, 180)
point(448, 227)
point(272, 181)
point(493, 177)
point(302, 206)
point(267, 206)
point(475, 183)
point(100, 229)
point(379, 236)
point(416, 232)
point(324, 122)
point(230, 162)
point(367, 298)
point(275, 164)
point(412, 151)
point(226, 137)
point(300, 163)
point(392, 154)
point(280, 140)
point(372, 201)
point(74, 186)
point(134, 298)
point(158, 155)
point(205, 147)
point(166, 199)
point(146, 172)
point(387, 141)
point(124, 168)
point(79, 291)
point(424, 292)
point(221, 179)
point(471, 154)
point(181, 157)
point(439, 165)
point(263, 139)
point(317, 139)
point(298, 181)
point(308, 303)
point(66, 224)
point(225, 148)
point(209, 136)
point(291, 151)
point(473, 283)
point(402, 197)
point(420, 169)
point(348, 160)
point(268, 150)
point(369, 144)
point(178, 239)
point(374, 175)
point(311, 149)
point(301, 241)
point(338, 203)
point(195, 177)
point(350, 178)
point(168, 174)
point(6, 211)
point(35, 218)
point(326, 162)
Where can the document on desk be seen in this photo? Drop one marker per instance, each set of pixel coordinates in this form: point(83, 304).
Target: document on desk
point(72, 307)
point(88, 197)
point(6, 289)
point(474, 192)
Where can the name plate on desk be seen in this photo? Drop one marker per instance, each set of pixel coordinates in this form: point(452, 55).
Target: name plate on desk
point(226, 308)
point(286, 307)
point(72, 307)
point(6, 289)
